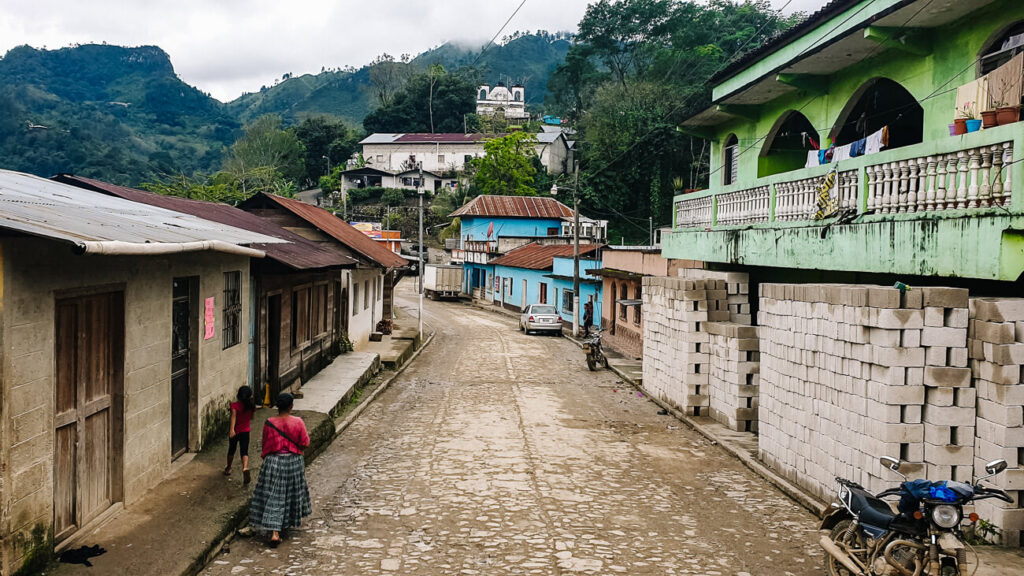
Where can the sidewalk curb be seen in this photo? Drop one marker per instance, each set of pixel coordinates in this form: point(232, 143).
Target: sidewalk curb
point(239, 517)
point(812, 504)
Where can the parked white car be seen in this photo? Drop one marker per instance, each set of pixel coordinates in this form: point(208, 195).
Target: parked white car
point(540, 318)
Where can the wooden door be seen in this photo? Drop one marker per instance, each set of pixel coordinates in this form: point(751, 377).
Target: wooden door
point(523, 307)
point(182, 346)
point(543, 288)
point(89, 360)
point(274, 328)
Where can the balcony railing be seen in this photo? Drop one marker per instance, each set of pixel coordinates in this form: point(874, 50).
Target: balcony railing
point(972, 172)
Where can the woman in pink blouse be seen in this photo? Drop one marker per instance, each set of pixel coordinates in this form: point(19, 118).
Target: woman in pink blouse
point(281, 498)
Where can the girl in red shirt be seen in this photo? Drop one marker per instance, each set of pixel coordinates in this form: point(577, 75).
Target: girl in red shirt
point(281, 498)
point(238, 431)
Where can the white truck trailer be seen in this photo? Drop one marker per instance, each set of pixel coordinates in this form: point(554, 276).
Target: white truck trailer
point(442, 281)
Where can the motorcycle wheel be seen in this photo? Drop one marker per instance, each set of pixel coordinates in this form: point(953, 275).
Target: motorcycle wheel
point(591, 363)
point(838, 535)
point(604, 360)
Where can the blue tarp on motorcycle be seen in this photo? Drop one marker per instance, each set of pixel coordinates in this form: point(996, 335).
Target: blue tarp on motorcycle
point(916, 490)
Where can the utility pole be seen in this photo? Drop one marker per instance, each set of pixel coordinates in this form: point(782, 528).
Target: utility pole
point(650, 227)
point(576, 251)
point(419, 193)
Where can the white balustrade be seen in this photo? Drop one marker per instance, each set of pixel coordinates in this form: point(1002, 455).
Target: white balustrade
point(744, 206)
point(966, 179)
point(694, 212)
point(798, 200)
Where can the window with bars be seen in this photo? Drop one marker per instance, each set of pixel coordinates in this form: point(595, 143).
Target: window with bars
point(232, 332)
point(731, 160)
point(567, 301)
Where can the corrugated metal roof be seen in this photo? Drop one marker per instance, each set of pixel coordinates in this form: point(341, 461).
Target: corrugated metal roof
point(514, 207)
point(448, 137)
point(548, 137)
point(535, 256)
point(49, 209)
point(379, 138)
point(296, 252)
point(336, 228)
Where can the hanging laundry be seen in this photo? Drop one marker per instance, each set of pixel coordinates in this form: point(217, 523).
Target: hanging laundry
point(857, 148)
point(841, 153)
point(875, 141)
point(813, 158)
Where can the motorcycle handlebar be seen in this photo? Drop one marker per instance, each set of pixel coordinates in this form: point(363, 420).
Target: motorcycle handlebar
point(981, 493)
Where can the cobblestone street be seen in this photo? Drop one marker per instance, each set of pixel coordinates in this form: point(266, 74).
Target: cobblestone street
point(499, 453)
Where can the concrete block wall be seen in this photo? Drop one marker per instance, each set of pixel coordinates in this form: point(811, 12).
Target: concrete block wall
point(996, 355)
point(735, 368)
point(843, 380)
point(737, 290)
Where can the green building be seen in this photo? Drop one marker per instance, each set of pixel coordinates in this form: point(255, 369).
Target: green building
point(927, 204)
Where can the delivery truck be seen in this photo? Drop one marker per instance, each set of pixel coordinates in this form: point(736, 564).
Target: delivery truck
point(442, 281)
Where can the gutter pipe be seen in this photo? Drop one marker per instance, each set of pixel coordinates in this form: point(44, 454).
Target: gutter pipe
point(118, 248)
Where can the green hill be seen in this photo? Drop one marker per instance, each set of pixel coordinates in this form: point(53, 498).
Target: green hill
point(122, 114)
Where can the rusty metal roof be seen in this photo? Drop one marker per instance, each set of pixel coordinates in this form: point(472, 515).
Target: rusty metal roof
point(296, 252)
point(514, 207)
point(49, 209)
point(336, 228)
point(427, 138)
point(535, 256)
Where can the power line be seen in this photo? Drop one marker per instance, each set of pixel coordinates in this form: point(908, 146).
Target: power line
point(500, 30)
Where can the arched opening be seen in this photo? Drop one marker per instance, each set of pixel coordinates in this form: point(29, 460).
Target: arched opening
point(787, 144)
point(518, 95)
point(483, 94)
point(730, 160)
point(611, 309)
point(1001, 47)
point(878, 103)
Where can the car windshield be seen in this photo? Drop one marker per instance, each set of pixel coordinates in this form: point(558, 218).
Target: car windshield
point(543, 310)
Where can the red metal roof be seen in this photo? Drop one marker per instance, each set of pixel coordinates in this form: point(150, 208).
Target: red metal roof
point(338, 229)
point(514, 207)
point(453, 137)
point(535, 256)
point(297, 253)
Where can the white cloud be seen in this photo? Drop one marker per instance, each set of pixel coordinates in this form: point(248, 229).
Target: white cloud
point(226, 47)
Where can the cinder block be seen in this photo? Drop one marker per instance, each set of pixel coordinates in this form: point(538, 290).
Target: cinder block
point(998, 309)
point(994, 332)
point(883, 297)
point(1004, 354)
point(947, 376)
point(933, 316)
point(942, 297)
point(895, 318)
point(948, 337)
point(956, 318)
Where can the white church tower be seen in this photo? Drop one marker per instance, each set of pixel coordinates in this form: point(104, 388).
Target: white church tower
point(502, 99)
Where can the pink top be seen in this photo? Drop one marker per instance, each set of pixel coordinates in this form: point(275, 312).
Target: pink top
point(242, 417)
point(293, 426)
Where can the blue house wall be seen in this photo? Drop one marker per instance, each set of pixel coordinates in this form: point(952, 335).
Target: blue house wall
point(512, 287)
point(475, 227)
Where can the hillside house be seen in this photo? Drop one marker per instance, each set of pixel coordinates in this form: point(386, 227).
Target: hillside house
point(860, 100)
point(122, 337)
point(543, 274)
point(369, 286)
point(301, 309)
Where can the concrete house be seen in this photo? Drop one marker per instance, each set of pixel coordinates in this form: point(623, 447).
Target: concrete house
point(122, 338)
point(495, 225)
point(542, 274)
point(300, 302)
point(507, 101)
point(833, 366)
point(369, 286)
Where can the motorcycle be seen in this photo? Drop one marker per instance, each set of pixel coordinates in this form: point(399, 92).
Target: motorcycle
point(862, 536)
point(595, 354)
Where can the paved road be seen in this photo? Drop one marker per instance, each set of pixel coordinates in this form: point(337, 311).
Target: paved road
point(499, 453)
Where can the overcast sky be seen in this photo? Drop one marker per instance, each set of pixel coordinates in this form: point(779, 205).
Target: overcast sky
point(226, 47)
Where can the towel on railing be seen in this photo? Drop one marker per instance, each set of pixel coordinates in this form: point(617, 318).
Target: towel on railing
point(842, 152)
point(857, 148)
point(813, 159)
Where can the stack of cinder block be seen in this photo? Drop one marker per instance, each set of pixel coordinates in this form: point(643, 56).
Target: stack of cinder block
point(949, 395)
point(737, 290)
point(996, 346)
point(843, 379)
point(676, 346)
point(734, 379)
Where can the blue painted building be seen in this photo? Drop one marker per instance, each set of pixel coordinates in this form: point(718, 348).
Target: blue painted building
point(539, 274)
point(493, 226)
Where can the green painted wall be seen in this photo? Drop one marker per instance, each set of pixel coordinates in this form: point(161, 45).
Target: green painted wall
point(955, 48)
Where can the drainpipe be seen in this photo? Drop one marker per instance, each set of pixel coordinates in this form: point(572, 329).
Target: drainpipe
point(118, 248)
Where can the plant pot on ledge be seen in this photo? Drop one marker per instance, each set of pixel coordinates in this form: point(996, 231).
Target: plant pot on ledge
point(1007, 114)
point(961, 126)
point(988, 119)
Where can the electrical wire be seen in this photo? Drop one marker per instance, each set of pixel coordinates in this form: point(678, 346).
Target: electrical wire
point(496, 34)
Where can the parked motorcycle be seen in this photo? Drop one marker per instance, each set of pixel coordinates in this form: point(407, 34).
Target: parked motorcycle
point(862, 536)
point(595, 353)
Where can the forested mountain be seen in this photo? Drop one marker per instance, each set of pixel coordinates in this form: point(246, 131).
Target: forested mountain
point(122, 114)
point(107, 112)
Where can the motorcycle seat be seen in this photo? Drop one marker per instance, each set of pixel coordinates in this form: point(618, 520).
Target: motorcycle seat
point(871, 511)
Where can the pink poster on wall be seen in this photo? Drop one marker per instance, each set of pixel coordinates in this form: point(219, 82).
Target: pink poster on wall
point(209, 318)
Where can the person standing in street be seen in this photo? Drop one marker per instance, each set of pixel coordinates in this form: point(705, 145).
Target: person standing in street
point(238, 431)
point(588, 317)
point(281, 498)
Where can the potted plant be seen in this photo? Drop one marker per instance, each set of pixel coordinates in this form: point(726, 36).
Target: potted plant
point(960, 122)
point(1006, 112)
point(970, 117)
point(989, 119)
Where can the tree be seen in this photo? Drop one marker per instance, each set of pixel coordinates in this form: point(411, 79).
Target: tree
point(624, 34)
point(392, 197)
point(388, 77)
point(507, 168)
point(266, 158)
point(326, 142)
point(572, 86)
point(434, 73)
point(445, 98)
